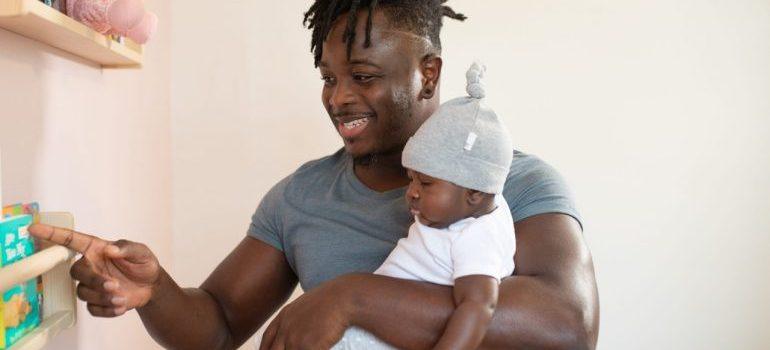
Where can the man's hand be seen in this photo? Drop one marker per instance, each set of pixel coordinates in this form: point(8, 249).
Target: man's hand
point(114, 277)
point(316, 320)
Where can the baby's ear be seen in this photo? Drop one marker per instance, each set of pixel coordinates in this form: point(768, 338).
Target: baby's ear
point(474, 197)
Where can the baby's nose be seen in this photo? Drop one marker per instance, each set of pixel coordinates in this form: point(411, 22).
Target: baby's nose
point(411, 192)
point(411, 197)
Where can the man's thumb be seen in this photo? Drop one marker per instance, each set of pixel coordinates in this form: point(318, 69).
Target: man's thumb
point(132, 252)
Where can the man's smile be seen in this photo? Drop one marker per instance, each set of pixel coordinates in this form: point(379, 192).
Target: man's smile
point(352, 125)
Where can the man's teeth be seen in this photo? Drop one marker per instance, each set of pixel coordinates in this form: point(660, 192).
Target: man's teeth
point(355, 123)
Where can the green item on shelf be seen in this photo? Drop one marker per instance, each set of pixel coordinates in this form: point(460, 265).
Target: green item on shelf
point(20, 307)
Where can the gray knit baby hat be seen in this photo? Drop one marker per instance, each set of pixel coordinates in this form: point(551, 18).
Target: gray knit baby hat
point(464, 142)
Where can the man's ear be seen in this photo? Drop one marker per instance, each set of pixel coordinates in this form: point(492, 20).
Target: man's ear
point(430, 66)
point(474, 197)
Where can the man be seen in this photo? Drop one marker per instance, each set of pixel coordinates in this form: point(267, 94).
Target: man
point(337, 218)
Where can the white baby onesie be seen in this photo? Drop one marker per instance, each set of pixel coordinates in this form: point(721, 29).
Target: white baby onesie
point(472, 246)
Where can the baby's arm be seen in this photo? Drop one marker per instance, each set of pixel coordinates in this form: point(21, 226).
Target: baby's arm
point(475, 299)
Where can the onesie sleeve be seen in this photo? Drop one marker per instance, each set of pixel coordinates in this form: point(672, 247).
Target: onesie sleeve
point(483, 248)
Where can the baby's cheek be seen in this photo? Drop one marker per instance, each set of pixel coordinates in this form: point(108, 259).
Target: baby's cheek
point(440, 209)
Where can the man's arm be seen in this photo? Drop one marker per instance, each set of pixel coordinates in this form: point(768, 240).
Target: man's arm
point(236, 299)
point(475, 297)
point(115, 277)
point(550, 302)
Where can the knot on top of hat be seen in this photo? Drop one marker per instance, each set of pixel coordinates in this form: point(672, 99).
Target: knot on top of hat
point(474, 76)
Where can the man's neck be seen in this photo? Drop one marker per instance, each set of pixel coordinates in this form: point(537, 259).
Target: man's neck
point(382, 172)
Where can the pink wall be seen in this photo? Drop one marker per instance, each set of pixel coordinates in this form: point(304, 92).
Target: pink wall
point(95, 143)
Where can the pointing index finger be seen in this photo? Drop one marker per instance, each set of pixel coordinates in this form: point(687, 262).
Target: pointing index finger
point(79, 242)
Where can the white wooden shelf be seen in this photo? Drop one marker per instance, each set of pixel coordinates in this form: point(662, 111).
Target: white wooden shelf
point(33, 266)
point(34, 19)
point(44, 334)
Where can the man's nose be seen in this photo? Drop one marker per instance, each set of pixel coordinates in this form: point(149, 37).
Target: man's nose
point(341, 96)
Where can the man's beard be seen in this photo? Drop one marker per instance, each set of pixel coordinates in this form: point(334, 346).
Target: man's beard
point(402, 101)
point(373, 158)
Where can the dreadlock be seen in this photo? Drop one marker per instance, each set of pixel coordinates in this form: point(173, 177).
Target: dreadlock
point(421, 17)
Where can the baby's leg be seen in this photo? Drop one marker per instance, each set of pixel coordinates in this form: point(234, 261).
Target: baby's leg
point(358, 339)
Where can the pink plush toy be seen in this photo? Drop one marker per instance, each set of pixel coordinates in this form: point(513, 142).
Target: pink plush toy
point(116, 17)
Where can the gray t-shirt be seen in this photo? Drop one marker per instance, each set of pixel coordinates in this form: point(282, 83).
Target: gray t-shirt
point(328, 223)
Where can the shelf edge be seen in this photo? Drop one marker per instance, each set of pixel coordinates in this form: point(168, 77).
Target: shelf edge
point(22, 17)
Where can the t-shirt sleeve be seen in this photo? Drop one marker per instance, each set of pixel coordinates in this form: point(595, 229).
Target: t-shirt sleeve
point(533, 187)
point(480, 249)
point(266, 221)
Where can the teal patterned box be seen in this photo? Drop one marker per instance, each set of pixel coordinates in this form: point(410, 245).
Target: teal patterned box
point(20, 307)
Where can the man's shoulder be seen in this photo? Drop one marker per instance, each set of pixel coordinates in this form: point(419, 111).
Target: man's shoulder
point(313, 175)
point(322, 169)
point(290, 194)
point(529, 167)
point(323, 164)
point(534, 187)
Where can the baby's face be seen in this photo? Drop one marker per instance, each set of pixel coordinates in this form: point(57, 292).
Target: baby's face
point(436, 203)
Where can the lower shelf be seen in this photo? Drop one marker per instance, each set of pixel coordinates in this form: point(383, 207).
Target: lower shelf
point(48, 329)
point(53, 264)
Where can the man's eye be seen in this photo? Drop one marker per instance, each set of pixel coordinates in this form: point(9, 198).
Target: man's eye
point(362, 78)
point(327, 80)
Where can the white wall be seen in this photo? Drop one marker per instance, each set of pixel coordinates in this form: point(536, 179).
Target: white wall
point(655, 111)
point(245, 112)
point(95, 143)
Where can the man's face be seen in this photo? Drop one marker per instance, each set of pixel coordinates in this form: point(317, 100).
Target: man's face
point(371, 97)
point(436, 203)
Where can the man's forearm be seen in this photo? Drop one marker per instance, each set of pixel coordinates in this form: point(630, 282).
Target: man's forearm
point(185, 318)
point(413, 315)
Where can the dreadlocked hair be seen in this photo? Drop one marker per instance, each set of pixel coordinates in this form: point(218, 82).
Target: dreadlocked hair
point(421, 17)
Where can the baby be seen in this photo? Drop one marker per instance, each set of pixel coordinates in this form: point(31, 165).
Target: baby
point(463, 235)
